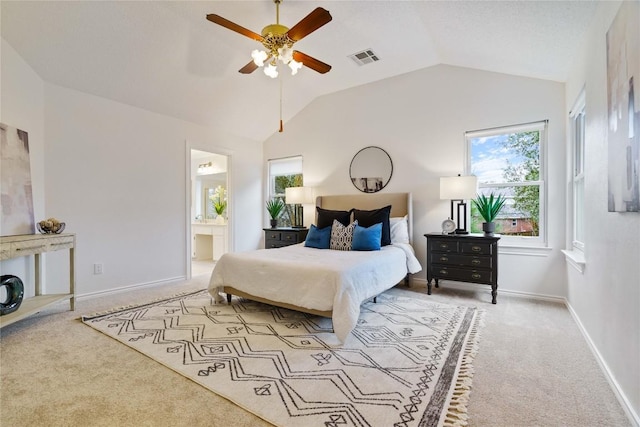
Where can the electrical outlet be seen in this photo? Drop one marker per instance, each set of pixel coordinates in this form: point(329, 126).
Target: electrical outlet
point(98, 268)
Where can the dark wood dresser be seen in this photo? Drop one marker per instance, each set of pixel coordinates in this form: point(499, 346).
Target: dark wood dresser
point(283, 236)
point(463, 258)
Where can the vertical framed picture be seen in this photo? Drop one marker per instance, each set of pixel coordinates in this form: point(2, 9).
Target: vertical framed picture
point(15, 183)
point(623, 105)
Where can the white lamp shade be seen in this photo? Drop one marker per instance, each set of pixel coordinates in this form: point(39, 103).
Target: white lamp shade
point(299, 195)
point(458, 187)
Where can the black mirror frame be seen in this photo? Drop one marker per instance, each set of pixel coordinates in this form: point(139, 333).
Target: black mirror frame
point(384, 184)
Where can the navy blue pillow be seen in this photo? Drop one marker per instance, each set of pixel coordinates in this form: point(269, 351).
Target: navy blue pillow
point(367, 238)
point(325, 217)
point(369, 218)
point(318, 237)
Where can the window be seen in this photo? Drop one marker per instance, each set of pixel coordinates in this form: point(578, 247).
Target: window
point(284, 173)
point(509, 161)
point(577, 119)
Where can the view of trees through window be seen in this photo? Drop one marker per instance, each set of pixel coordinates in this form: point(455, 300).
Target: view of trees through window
point(507, 162)
point(281, 183)
point(284, 173)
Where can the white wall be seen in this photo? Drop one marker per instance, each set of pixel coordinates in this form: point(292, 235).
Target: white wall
point(116, 175)
point(606, 297)
point(22, 106)
point(420, 118)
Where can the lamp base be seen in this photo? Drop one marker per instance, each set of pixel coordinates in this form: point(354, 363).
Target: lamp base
point(460, 231)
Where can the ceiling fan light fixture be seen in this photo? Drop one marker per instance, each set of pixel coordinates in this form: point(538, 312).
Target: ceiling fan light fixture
point(271, 70)
point(295, 66)
point(285, 54)
point(259, 56)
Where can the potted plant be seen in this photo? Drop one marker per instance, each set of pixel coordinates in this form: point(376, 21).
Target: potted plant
point(489, 208)
point(219, 200)
point(274, 207)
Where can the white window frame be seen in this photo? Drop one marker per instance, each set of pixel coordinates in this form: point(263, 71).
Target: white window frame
point(278, 167)
point(577, 172)
point(541, 126)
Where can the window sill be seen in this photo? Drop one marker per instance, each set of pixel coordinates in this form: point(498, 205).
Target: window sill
point(575, 259)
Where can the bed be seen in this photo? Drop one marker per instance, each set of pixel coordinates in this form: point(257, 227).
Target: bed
point(322, 282)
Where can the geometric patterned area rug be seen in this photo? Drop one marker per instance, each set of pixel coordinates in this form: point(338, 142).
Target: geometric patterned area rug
point(408, 362)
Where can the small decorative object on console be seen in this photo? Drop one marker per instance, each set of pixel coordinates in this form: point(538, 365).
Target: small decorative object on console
point(14, 288)
point(50, 226)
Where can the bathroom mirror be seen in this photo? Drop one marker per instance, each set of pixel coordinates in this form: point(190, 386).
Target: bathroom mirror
point(371, 169)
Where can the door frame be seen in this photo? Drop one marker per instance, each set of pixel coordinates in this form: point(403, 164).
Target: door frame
point(230, 200)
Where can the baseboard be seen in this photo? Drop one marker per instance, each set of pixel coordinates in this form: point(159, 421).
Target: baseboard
point(130, 287)
point(474, 287)
point(622, 398)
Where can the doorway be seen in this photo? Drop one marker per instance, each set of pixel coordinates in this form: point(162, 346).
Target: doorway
point(208, 211)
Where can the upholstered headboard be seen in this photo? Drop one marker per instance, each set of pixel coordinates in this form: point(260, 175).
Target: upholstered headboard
point(401, 204)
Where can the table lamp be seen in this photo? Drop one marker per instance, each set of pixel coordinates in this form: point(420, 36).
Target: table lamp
point(298, 196)
point(458, 189)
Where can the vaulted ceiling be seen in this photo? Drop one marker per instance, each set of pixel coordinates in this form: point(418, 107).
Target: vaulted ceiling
point(164, 56)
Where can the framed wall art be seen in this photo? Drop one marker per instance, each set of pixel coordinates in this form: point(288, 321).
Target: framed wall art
point(16, 202)
point(623, 105)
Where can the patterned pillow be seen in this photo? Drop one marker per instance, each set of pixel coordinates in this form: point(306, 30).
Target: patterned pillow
point(342, 236)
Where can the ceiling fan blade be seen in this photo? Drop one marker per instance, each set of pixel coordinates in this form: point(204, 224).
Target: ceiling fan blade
point(311, 62)
point(249, 68)
point(309, 24)
point(217, 19)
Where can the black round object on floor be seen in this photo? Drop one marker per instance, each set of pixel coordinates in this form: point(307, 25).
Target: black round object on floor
point(15, 292)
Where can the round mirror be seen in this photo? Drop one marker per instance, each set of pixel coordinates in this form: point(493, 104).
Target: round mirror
point(371, 169)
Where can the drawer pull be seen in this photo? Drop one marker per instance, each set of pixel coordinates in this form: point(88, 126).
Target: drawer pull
point(476, 248)
point(444, 245)
point(287, 237)
point(475, 276)
point(444, 258)
point(273, 236)
point(444, 272)
point(476, 262)
point(30, 247)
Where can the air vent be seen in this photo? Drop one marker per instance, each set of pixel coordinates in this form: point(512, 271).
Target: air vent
point(364, 57)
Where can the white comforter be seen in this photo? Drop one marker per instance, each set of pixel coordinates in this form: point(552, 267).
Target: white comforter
point(320, 279)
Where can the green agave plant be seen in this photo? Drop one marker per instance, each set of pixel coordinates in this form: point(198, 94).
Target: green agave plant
point(489, 207)
point(275, 207)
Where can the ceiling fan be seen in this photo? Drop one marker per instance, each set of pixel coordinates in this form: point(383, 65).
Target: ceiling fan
point(278, 41)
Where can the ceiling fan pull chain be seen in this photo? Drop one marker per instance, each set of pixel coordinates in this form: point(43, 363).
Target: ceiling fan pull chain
point(281, 127)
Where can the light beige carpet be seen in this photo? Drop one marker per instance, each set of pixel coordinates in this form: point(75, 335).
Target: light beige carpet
point(533, 369)
point(407, 362)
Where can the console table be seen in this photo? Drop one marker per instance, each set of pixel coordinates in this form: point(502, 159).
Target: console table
point(36, 244)
point(463, 258)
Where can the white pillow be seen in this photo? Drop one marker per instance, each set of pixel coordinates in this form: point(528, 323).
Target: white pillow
point(342, 236)
point(399, 229)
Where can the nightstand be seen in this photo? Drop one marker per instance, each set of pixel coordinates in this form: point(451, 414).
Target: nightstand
point(283, 236)
point(463, 258)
